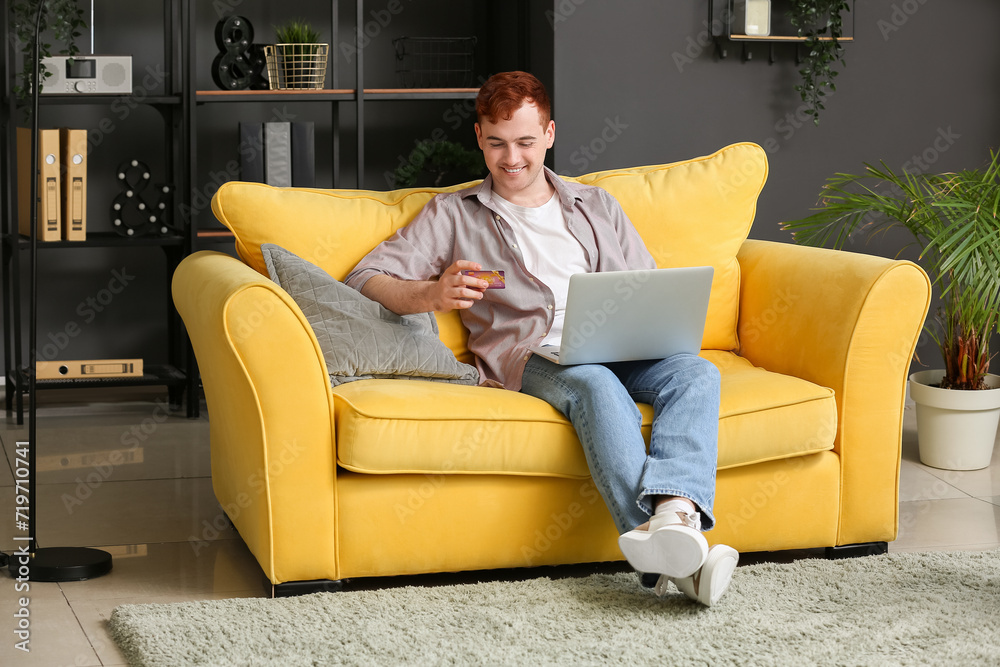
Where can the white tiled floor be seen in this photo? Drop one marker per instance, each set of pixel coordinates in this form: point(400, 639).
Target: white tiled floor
point(945, 509)
point(121, 475)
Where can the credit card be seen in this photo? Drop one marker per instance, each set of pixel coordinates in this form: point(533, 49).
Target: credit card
point(494, 278)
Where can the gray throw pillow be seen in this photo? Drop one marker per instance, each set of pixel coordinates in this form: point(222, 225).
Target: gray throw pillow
point(360, 338)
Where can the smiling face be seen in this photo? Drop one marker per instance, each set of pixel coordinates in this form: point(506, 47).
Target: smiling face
point(515, 152)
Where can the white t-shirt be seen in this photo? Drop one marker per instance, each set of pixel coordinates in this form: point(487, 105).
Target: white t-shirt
point(551, 253)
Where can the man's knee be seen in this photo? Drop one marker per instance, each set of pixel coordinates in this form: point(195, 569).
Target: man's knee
point(701, 370)
point(581, 384)
point(591, 377)
point(711, 371)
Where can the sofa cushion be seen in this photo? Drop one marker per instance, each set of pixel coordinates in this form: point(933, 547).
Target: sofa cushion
point(333, 229)
point(694, 213)
point(360, 338)
point(689, 213)
point(386, 427)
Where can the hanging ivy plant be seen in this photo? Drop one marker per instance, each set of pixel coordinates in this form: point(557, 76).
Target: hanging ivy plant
point(64, 18)
point(821, 23)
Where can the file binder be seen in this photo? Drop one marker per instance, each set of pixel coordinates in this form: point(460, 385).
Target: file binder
point(74, 198)
point(252, 152)
point(303, 155)
point(82, 369)
point(278, 154)
point(49, 223)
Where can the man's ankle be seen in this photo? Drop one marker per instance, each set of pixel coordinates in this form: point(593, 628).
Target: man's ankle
point(674, 504)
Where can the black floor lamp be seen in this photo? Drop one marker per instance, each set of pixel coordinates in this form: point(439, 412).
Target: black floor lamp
point(31, 562)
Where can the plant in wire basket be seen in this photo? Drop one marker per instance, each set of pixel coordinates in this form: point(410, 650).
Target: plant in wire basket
point(953, 218)
point(300, 58)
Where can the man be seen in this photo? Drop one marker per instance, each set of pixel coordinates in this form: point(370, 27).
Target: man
point(539, 229)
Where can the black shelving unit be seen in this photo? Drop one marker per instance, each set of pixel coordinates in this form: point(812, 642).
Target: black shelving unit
point(335, 95)
point(179, 106)
point(179, 375)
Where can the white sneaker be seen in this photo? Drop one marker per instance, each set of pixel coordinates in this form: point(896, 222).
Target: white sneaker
point(708, 584)
point(672, 545)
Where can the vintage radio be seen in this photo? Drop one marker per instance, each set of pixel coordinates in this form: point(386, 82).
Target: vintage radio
point(88, 75)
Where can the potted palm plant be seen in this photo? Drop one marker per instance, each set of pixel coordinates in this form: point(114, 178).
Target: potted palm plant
point(953, 218)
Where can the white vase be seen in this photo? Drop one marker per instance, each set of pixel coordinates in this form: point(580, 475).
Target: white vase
point(956, 428)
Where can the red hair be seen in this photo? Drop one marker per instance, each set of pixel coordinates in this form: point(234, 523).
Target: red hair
point(506, 92)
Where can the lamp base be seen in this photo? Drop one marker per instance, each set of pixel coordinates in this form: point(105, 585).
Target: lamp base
point(61, 564)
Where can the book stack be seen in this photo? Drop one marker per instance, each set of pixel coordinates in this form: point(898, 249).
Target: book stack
point(282, 154)
point(62, 184)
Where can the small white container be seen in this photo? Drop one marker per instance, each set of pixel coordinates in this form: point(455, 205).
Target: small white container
point(758, 18)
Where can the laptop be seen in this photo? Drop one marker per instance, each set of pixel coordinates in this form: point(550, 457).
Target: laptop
point(631, 315)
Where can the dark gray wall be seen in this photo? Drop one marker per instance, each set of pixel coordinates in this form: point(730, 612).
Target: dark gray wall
point(920, 81)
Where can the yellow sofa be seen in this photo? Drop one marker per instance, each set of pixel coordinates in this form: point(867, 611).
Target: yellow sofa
point(390, 477)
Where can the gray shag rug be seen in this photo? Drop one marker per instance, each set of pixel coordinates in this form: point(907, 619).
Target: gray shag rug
point(900, 609)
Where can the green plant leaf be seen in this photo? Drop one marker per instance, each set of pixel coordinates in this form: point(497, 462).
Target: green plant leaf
point(62, 17)
point(813, 19)
point(297, 32)
point(953, 219)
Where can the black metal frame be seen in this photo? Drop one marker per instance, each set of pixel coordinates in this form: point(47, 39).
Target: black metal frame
point(177, 107)
point(359, 96)
point(179, 375)
point(857, 550)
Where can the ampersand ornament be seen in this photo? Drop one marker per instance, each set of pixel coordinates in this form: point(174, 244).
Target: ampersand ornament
point(136, 214)
point(240, 64)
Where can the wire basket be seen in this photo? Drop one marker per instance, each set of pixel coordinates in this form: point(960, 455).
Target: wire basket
point(435, 62)
point(296, 66)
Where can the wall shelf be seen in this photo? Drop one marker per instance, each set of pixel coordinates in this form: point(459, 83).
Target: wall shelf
point(321, 95)
point(107, 240)
point(335, 95)
point(376, 94)
point(727, 19)
point(779, 38)
point(153, 375)
point(104, 100)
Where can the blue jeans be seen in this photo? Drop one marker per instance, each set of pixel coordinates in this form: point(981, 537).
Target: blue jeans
point(599, 400)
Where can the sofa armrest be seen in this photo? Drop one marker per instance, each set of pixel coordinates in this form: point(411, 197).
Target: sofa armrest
point(849, 322)
point(270, 411)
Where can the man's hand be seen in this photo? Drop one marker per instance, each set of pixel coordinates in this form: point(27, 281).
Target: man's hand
point(453, 290)
point(450, 291)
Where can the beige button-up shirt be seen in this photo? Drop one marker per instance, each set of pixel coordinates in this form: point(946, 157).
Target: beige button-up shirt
point(467, 225)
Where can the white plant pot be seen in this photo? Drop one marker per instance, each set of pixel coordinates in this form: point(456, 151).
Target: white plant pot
point(956, 429)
